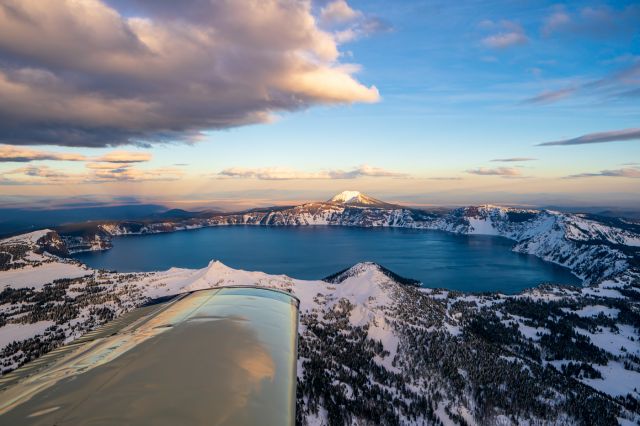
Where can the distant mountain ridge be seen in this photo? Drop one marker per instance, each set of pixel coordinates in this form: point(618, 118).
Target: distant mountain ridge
point(592, 249)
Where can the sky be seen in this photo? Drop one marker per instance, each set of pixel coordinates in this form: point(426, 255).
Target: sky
point(235, 104)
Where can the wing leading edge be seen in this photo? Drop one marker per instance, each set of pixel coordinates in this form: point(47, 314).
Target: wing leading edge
point(217, 357)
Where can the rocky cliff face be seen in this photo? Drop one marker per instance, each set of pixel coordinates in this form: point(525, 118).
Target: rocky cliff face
point(592, 250)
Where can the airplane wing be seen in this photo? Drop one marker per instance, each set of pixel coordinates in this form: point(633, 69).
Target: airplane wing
point(223, 356)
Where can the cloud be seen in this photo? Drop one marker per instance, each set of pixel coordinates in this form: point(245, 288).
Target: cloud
point(362, 28)
point(508, 172)
point(124, 157)
point(551, 96)
point(628, 172)
point(600, 22)
point(600, 137)
point(348, 24)
point(510, 34)
point(95, 74)
point(130, 174)
point(557, 20)
point(96, 173)
point(338, 11)
point(119, 171)
point(24, 155)
point(621, 84)
point(593, 22)
point(5, 181)
point(41, 172)
point(513, 159)
point(279, 173)
point(106, 166)
point(14, 154)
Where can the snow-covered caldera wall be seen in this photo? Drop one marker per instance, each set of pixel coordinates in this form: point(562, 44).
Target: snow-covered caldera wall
point(592, 250)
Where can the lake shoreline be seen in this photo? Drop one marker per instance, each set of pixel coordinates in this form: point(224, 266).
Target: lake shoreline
point(439, 259)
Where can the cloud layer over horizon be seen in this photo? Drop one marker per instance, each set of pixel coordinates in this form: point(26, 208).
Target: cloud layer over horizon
point(507, 172)
point(626, 172)
point(92, 73)
point(280, 173)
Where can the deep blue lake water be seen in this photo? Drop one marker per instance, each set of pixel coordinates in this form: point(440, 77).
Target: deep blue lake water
point(438, 259)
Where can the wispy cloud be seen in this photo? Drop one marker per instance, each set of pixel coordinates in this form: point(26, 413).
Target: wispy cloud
point(348, 24)
point(131, 174)
point(280, 173)
point(41, 172)
point(15, 154)
point(509, 34)
point(557, 20)
point(513, 159)
point(621, 84)
point(97, 76)
point(551, 96)
point(95, 173)
point(629, 172)
point(124, 157)
point(600, 137)
point(24, 155)
point(593, 22)
point(508, 172)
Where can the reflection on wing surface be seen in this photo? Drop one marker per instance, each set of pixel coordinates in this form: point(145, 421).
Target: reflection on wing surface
point(217, 357)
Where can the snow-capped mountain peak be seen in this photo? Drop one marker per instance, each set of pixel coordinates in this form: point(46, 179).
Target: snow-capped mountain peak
point(356, 198)
point(345, 196)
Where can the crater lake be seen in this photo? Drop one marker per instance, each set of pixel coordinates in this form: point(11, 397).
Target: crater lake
point(475, 263)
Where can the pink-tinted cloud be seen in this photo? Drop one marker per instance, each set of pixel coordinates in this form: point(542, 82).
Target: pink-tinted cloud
point(124, 157)
point(281, 173)
point(24, 155)
point(9, 153)
point(83, 73)
point(338, 12)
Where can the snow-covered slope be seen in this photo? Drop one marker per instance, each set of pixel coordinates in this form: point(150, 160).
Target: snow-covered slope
point(29, 260)
point(376, 346)
point(591, 250)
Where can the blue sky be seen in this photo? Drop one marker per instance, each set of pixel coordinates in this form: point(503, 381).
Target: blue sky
point(446, 97)
point(460, 84)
